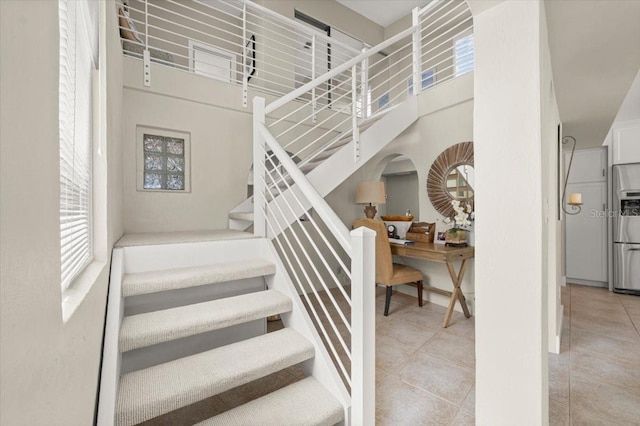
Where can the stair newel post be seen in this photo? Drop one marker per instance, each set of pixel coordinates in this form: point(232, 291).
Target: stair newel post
point(417, 51)
point(259, 169)
point(245, 76)
point(354, 113)
point(363, 334)
point(146, 55)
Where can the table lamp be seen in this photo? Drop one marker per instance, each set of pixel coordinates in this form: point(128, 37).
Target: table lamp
point(370, 193)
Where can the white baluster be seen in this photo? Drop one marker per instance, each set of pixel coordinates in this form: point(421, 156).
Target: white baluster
point(259, 169)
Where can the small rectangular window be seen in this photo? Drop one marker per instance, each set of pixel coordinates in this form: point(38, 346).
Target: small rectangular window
point(428, 80)
point(163, 163)
point(463, 51)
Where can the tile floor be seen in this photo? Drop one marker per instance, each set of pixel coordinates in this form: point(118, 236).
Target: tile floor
point(595, 380)
point(425, 375)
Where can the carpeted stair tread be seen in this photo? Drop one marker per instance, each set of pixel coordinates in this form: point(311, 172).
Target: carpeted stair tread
point(171, 279)
point(305, 402)
point(151, 328)
point(148, 393)
point(156, 238)
point(248, 216)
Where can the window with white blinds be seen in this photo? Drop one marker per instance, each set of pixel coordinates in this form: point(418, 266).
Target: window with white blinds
point(463, 49)
point(78, 22)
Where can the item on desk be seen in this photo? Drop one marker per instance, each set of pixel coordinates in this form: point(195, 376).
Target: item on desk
point(401, 241)
point(422, 231)
point(456, 237)
point(401, 227)
point(391, 231)
point(397, 218)
point(441, 238)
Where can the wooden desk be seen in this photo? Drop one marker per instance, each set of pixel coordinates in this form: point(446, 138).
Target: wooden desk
point(442, 254)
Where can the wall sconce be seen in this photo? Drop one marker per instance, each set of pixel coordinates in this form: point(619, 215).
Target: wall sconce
point(575, 200)
point(370, 193)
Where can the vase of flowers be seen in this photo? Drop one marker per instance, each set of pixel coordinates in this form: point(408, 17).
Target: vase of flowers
point(460, 223)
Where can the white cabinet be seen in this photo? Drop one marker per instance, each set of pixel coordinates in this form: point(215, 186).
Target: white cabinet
point(626, 142)
point(589, 165)
point(586, 233)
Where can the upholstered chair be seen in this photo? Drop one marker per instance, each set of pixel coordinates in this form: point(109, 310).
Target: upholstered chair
point(387, 272)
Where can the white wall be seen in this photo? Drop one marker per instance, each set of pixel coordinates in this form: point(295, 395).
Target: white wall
point(446, 118)
point(49, 368)
point(511, 130)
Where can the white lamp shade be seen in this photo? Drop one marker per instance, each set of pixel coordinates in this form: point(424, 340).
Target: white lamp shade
point(371, 192)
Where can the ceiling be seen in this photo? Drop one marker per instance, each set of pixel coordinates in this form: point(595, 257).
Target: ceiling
point(595, 55)
point(383, 12)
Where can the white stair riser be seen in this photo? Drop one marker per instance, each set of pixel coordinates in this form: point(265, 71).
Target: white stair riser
point(159, 257)
point(173, 298)
point(138, 359)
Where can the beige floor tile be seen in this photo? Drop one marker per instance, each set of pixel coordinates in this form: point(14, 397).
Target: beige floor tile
point(587, 292)
point(460, 350)
point(605, 370)
point(461, 326)
point(469, 403)
point(631, 303)
point(390, 355)
point(593, 403)
point(605, 346)
point(558, 413)
point(623, 330)
point(444, 379)
point(399, 403)
point(426, 317)
point(394, 308)
point(464, 418)
point(405, 333)
point(559, 369)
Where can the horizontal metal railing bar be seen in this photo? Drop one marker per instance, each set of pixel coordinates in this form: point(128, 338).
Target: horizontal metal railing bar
point(302, 291)
point(208, 35)
point(328, 106)
point(156, 6)
point(306, 275)
point(338, 70)
point(446, 31)
point(299, 26)
point(318, 203)
point(428, 7)
point(312, 242)
point(291, 142)
point(395, 52)
point(440, 9)
point(325, 134)
point(313, 113)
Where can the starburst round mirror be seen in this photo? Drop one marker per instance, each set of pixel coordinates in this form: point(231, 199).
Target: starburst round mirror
point(451, 177)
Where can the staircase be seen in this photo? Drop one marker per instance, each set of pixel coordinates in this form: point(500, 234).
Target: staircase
point(332, 164)
point(186, 318)
point(190, 305)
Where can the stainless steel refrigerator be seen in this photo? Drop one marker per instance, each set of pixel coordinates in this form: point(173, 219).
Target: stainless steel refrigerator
point(626, 228)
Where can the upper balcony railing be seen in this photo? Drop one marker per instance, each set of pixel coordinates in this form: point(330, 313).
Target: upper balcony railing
point(240, 42)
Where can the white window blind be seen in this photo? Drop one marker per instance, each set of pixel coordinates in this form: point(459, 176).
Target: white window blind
point(78, 58)
point(463, 48)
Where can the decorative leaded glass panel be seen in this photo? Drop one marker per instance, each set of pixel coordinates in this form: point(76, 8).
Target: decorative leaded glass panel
point(175, 181)
point(175, 146)
point(153, 162)
point(152, 180)
point(153, 143)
